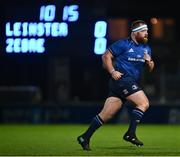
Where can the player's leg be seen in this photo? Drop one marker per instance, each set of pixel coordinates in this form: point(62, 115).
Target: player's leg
point(140, 100)
point(111, 106)
point(141, 103)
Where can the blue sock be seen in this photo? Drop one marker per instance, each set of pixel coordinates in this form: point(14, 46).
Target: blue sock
point(136, 116)
point(95, 124)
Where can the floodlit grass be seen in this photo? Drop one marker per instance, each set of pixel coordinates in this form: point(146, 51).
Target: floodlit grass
point(159, 140)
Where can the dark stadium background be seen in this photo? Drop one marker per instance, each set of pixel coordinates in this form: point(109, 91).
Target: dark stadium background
point(48, 99)
point(68, 84)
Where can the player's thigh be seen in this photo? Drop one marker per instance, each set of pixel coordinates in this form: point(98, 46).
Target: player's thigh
point(139, 99)
point(111, 105)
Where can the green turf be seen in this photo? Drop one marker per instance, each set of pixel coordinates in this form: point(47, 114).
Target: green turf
point(159, 140)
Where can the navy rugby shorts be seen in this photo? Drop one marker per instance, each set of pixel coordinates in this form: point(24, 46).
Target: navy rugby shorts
point(123, 87)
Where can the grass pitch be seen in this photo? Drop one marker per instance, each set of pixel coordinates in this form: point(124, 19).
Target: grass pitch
point(60, 140)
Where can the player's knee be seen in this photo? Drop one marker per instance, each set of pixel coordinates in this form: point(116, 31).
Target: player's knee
point(145, 105)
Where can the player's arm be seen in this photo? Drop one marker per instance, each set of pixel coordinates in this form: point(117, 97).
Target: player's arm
point(107, 59)
point(149, 62)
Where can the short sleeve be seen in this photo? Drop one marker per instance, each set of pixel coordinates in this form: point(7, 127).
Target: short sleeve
point(117, 48)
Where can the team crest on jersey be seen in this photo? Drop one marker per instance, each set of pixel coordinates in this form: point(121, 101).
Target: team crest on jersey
point(145, 51)
point(131, 50)
point(134, 87)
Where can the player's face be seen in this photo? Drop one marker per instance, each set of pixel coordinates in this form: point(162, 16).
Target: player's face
point(142, 36)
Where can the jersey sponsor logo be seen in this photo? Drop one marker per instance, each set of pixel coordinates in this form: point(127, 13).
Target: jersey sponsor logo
point(131, 50)
point(136, 59)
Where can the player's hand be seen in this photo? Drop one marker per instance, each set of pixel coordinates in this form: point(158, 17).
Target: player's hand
point(150, 65)
point(147, 57)
point(149, 61)
point(116, 75)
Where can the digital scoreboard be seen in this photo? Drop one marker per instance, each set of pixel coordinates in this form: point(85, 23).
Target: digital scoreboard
point(57, 28)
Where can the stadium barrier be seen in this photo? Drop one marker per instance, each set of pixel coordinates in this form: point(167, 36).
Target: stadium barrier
point(81, 113)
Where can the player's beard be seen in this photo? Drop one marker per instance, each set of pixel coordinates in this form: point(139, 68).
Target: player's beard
point(145, 40)
point(142, 40)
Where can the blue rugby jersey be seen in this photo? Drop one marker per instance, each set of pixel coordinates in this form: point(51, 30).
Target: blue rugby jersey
point(129, 57)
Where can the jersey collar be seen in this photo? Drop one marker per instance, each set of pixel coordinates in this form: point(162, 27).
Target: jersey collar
point(132, 41)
